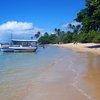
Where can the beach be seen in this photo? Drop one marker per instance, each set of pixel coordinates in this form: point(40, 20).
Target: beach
point(83, 47)
point(54, 73)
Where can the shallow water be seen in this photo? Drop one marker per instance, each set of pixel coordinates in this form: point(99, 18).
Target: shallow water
point(40, 75)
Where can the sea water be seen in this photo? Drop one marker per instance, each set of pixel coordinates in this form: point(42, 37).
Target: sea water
point(13, 65)
point(19, 70)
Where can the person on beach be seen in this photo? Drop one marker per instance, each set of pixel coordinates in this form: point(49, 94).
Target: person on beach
point(43, 45)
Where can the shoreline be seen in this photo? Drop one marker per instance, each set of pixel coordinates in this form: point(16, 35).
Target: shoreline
point(82, 47)
point(70, 76)
point(68, 79)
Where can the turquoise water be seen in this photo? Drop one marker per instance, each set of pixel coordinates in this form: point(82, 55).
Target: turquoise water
point(16, 67)
point(18, 71)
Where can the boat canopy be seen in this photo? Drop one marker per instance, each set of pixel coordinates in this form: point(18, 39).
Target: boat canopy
point(20, 40)
point(24, 42)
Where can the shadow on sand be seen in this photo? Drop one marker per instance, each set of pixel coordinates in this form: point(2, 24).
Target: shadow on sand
point(96, 46)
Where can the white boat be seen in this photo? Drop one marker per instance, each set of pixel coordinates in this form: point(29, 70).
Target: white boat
point(20, 46)
point(18, 49)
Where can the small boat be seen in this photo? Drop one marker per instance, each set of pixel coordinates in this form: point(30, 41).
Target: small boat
point(20, 46)
point(19, 49)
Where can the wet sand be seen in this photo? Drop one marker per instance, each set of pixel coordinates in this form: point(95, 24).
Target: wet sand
point(56, 84)
point(73, 76)
point(67, 80)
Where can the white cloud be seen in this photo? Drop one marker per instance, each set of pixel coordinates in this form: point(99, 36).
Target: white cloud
point(15, 27)
point(17, 30)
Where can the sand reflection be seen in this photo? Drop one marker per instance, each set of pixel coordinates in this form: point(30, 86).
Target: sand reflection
point(92, 75)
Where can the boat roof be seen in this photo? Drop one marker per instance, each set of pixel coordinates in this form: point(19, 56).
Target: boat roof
point(20, 40)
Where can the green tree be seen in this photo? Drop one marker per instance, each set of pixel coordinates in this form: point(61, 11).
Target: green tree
point(59, 34)
point(53, 38)
point(46, 34)
point(68, 37)
point(37, 35)
point(75, 29)
point(90, 16)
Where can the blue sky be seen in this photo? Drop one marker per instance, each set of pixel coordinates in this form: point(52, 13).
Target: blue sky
point(47, 14)
point(24, 18)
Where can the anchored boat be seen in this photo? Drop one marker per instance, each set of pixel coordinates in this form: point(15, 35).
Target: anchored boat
point(20, 46)
point(19, 49)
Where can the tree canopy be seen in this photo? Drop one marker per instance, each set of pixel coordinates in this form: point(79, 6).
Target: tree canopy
point(88, 31)
point(90, 16)
point(37, 35)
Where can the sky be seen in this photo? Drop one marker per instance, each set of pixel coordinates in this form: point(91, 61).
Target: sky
point(26, 16)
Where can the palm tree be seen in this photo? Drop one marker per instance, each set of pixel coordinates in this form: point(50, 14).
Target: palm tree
point(78, 27)
point(37, 35)
point(71, 26)
point(31, 37)
point(75, 29)
point(59, 34)
point(57, 31)
point(46, 34)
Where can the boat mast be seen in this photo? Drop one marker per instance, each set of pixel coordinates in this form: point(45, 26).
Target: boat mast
point(11, 39)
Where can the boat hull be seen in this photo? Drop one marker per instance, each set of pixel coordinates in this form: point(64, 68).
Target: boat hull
point(19, 49)
point(7, 50)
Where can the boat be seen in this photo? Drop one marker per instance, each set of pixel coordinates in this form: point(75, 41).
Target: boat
point(20, 46)
point(0, 47)
point(18, 49)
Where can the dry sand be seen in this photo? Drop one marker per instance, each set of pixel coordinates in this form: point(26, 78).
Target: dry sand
point(82, 47)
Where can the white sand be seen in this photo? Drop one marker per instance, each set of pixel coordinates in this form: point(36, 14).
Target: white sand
point(81, 47)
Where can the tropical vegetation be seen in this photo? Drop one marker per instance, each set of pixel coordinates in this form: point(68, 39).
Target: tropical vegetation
point(87, 31)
